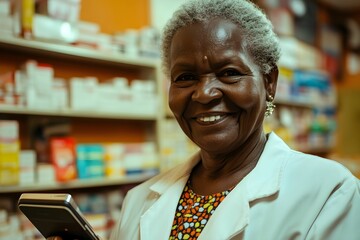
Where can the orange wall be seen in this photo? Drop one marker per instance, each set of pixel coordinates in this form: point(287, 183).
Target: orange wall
point(116, 15)
point(349, 81)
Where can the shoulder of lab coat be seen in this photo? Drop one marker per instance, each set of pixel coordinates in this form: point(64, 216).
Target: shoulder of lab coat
point(317, 198)
point(287, 195)
point(339, 217)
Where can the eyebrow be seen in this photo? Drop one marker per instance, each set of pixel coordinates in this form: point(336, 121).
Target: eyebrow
point(229, 60)
point(183, 63)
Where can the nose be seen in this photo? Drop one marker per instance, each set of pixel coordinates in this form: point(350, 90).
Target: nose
point(207, 90)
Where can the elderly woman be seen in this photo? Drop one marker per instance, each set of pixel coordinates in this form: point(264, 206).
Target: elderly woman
point(221, 56)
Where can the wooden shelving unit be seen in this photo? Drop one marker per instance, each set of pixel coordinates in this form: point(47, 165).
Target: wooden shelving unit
point(77, 184)
point(72, 60)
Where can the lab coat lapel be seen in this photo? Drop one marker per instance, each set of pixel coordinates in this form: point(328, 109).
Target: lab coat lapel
point(157, 221)
point(230, 218)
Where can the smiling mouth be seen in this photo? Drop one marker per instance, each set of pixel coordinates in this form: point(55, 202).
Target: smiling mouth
point(210, 119)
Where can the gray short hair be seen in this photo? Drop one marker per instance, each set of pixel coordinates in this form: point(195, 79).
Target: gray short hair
point(261, 41)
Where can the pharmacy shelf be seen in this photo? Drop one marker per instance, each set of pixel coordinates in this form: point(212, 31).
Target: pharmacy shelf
point(294, 102)
point(118, 114)
point(35, 46)
point(77, 184)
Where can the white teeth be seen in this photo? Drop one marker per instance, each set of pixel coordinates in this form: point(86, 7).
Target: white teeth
point(210, 119)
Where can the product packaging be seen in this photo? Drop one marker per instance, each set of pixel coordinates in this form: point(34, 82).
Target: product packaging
point(62, 154)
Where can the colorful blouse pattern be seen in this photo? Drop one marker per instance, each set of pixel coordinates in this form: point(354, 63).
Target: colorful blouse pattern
point(193, 212)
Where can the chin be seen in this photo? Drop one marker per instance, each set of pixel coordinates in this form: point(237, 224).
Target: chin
point(217, 145)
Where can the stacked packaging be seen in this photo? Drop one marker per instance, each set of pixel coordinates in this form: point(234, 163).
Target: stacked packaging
point(9, 152)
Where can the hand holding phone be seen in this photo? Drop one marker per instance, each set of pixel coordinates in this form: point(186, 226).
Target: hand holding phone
point(56, 215)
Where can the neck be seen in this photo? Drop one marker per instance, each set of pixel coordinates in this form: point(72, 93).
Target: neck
point(219, 172)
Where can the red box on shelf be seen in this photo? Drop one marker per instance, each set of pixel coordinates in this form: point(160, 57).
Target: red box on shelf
point(63, 157)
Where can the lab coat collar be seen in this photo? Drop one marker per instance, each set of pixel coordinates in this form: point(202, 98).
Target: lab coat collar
point(232, 215)
point(157, 221)
point(178, 172)
point(264, 180)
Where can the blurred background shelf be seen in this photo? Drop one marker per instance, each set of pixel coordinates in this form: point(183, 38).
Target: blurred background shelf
point(76, 184)
point(301, 103)
point(65, 50)
point(97, 113)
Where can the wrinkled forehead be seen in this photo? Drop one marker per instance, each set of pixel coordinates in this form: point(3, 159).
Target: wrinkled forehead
point(208, 37)
point(214, 32)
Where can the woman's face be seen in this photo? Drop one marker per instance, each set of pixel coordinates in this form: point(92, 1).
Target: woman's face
point(217, 93)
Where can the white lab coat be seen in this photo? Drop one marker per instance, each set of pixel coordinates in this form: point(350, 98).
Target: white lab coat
point(288, 195)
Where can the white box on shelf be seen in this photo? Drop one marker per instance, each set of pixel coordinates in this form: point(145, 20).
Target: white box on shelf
point(65, 10)
point(146, 106)
point(107, 95)
point(151, 160)
point(9, 130)
point(99, 41)
point(48, 28)
point(120, 83)
point(84, 93)
point(45, 173)
point(37, 82)
point(5, 8)
point(60, 94)
point(43, 78)
point(38, 100)
point(141, 88)
point(29, 68)
point(88, 27)
point(299, 54)
point(144, 97)
point(114, 160)
point(19, 79)
point(27, 167)
point(140, 157)
point(6, 25)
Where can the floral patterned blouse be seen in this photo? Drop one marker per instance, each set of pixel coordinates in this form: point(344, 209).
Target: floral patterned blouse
point(193, 212)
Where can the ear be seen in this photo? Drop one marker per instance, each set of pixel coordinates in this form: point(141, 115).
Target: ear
point(271, 82)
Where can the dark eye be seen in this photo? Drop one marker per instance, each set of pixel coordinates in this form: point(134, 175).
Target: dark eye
point(186, 77)
point(230, 73)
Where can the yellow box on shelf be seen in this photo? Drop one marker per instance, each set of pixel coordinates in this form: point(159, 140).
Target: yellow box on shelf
point(9, 163)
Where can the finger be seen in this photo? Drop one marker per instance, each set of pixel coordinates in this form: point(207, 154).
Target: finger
point(54, 238)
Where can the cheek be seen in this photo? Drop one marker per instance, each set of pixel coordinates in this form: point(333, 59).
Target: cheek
point(177, 101)
point(245, 96)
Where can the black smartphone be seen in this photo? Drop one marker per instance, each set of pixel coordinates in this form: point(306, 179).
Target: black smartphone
point(55, 214)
